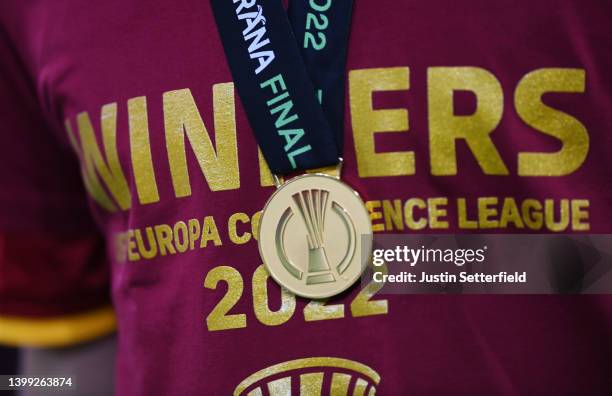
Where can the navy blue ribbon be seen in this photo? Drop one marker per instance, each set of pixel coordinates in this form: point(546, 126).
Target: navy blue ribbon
point(324, 53)
point(288, 68)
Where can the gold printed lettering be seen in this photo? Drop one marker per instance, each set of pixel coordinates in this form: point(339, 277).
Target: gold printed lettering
point(233, 228)
point(255, 225)
point(580, 215)
point(132, 247)
point(163, 233)
point(532, 213)
point(140, 150)
point(411, 222)
point(182, 119)
point(487, 211)
point(571, 132)
point(510, 214)
point(194, 232)
point(92, 185)
point(437, 210)
point(261, 302)
point(181, 237)
point(393, 214)
point(144, 252)
point(220, 318)
point(549, 213)
point(445, 127)
point(373, 207)
point(464, 222)
point(110, 170)
point(319, 310)
point(367, 122)
point(209, 232)
point(364, 305)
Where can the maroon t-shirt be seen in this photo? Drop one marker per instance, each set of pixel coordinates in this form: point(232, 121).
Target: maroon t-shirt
point(472, 116)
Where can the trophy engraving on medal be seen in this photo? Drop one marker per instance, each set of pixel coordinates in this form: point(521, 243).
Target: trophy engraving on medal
point(312, 205)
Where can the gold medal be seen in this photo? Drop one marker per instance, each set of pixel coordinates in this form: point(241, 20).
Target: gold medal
point(315, 236)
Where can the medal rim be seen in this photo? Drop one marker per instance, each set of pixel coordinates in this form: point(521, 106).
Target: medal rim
point(278, 189)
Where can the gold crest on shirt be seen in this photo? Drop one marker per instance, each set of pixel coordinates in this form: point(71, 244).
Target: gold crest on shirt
point(347, 377)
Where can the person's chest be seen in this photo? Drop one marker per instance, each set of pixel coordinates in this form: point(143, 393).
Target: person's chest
point(478, 117)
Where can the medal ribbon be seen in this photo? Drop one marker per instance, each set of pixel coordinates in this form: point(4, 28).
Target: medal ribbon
point(288, 68)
